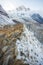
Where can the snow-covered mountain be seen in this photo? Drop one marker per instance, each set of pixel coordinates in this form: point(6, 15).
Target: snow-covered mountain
point(4, 18)
point(22, 8)
point(37, 18)
point(26, 17)
point(21, 14)
point(18, 44)
point(24, 12)
point(3, 12)
point(29, 48)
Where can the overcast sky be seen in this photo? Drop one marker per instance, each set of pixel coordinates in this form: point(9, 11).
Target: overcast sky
point(12, 4)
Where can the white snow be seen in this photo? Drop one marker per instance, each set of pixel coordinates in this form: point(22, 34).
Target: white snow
point(29, 48)
point(5, 20)
point(22, 16)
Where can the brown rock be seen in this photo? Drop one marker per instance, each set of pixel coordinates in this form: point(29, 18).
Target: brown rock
point(8, 36)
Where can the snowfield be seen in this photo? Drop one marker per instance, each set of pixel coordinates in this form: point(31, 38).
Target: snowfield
point(5, 20)
point(29, 48)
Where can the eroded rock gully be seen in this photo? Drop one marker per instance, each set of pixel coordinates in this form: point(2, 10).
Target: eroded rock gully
point(8, 49)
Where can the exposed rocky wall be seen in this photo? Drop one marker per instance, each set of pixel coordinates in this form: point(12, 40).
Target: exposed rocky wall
point(8, 48)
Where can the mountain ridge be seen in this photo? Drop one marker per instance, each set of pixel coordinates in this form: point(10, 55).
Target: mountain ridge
point(3, 12)
point(4, 18)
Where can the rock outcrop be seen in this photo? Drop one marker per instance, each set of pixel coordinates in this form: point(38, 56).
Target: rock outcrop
point(8, 50)
point(18, 46)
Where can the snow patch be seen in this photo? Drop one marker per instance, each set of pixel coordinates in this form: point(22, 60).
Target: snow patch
point(29, 48)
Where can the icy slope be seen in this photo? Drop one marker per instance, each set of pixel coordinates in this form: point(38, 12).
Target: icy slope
point(26, 15)
point(3, 12)
point(5, 20)
point(29, 48)
point(37, 17)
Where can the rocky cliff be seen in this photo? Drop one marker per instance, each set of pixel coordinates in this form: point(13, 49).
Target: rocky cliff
point(8, 49)
point(19, 46)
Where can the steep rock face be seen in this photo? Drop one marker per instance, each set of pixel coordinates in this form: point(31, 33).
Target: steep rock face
point(3, 12)
point(37, 18)
point(18, 46)
point(8, 49)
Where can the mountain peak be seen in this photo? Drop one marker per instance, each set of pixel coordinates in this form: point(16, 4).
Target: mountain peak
point(20, 8)
point(37, 17)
